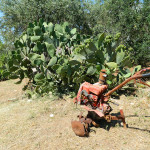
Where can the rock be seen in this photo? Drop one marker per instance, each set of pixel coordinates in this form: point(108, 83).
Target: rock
point(29, 100)
point(51, 115)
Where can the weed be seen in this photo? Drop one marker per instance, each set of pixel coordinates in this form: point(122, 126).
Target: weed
point(32, 115)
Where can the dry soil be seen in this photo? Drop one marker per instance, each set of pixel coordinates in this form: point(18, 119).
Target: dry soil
point(44, 123)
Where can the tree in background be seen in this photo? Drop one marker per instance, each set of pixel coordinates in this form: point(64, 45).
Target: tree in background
point(131, 18)
point(18, 13)
point(1, 46)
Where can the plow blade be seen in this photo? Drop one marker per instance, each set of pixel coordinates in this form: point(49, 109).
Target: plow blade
point(80, 129)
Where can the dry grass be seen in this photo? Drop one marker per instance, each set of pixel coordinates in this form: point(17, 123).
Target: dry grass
point(9, 91)
point(27, 125)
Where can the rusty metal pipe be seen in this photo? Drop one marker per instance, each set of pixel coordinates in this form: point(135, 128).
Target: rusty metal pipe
point(141, 82)
point(141, 71)
point(126, 81)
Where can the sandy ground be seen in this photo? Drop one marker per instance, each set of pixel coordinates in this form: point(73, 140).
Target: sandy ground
point(44, 124)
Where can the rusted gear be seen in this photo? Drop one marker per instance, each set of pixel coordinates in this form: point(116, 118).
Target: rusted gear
point(80, 129)
point(108, 118)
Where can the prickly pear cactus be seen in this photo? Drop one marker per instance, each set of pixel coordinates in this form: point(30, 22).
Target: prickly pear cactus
point(58, 59)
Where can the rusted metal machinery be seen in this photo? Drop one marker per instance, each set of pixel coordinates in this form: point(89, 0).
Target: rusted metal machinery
point(93, 99)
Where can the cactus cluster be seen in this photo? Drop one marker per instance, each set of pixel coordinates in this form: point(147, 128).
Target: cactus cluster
point(56, 58)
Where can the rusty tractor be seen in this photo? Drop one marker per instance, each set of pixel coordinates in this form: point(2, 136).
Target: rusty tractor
point(96, 101)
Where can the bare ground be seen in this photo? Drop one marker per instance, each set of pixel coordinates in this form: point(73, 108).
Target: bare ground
point(44, 124)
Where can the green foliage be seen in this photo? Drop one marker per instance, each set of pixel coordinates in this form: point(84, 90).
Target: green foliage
point(3, 63)
point(58, 59)
point(17, 14)
point(129, 17)
point(2, 67)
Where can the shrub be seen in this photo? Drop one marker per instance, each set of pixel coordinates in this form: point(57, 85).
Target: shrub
point(58, 59)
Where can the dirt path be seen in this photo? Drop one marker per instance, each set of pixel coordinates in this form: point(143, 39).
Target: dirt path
point(44, 124)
